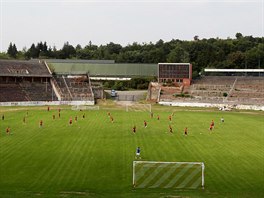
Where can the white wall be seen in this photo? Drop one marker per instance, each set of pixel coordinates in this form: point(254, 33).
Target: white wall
point(189, 104)
point(42, 103)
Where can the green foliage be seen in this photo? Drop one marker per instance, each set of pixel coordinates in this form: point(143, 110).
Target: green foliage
point(178, 55)
point(182, 95)
point(241, 52)
point(67, 51)
point(119, 85)
point(195, 74)
point(12, 50)
point(3, 55)
point(134, 83)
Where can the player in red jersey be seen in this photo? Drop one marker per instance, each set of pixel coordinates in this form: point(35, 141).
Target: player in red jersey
point(211, 127)
point(134, 129)
point(145, 124)
point(48, 108)
point(112, 119)
point(40, 123)
point(186, 131)
point(70, 121)
point(170, 118)
point(8, 130)
point(158, 117)
point(212, 123)
point(170, 129)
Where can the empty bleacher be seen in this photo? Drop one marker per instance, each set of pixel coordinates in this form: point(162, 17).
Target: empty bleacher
point(38, 91)
point(26, 91)
point(74, 88)
point(11, 92)
point(221, 89)
point(169, 92)
point(248, 90)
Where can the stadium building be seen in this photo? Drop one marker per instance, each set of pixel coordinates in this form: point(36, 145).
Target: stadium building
point(70, 82)
point(25, 81)
point(175, 73)
point(32, 83)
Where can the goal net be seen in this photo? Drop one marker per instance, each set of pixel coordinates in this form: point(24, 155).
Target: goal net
point(148, 174)
point(138, 107)
point(83, 107)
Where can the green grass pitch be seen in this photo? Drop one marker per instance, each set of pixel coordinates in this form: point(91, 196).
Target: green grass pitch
point(93, 157)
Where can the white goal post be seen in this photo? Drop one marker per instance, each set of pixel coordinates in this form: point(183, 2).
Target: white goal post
point(138, 107)
point(150, 174)
point(84, 107)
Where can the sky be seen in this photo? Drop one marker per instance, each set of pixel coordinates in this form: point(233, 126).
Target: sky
point(24, 22)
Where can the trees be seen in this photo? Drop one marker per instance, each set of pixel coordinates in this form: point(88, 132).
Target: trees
point(67, 51)
point(239, 35)
point(241, 52)
point(178, 55)
point(113, 48)
point(33, 51)
point(236, 60)
point(255, 57)
point(12, 50)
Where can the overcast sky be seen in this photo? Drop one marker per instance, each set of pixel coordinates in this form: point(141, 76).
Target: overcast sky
point(24, 22)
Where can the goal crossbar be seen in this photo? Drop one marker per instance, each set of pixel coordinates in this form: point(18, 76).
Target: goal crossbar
point(83, 107)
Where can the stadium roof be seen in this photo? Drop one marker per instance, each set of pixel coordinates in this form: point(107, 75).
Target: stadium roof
point(234, 70)
point(80, 61)
point(105, 70)
point(32, 68)
point(174, 63)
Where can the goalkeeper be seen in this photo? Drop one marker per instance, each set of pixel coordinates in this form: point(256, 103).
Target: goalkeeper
point(138, 153)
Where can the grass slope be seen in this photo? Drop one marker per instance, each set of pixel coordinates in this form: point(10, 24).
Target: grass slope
point(93, 157)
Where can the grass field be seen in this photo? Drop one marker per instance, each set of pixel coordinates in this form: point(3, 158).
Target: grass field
point(93, 157)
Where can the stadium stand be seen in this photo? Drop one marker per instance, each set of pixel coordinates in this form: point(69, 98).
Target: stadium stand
point(212, 88)
point(62, 88)
point(248, 90)
point(32, 81)
point(25, 81)
point(11, 92)
point(98, 90)
point(219, 89)
point(37, 91)
point(75, 87)
point(32, 68)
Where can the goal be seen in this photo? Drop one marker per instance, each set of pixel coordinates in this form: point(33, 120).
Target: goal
point(149, 174)
point(138, 107)
point(83, 107)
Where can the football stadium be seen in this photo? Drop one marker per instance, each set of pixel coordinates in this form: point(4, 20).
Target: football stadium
point(63, 134)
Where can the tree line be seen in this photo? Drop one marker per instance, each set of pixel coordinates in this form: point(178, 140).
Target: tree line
point(240, 52)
